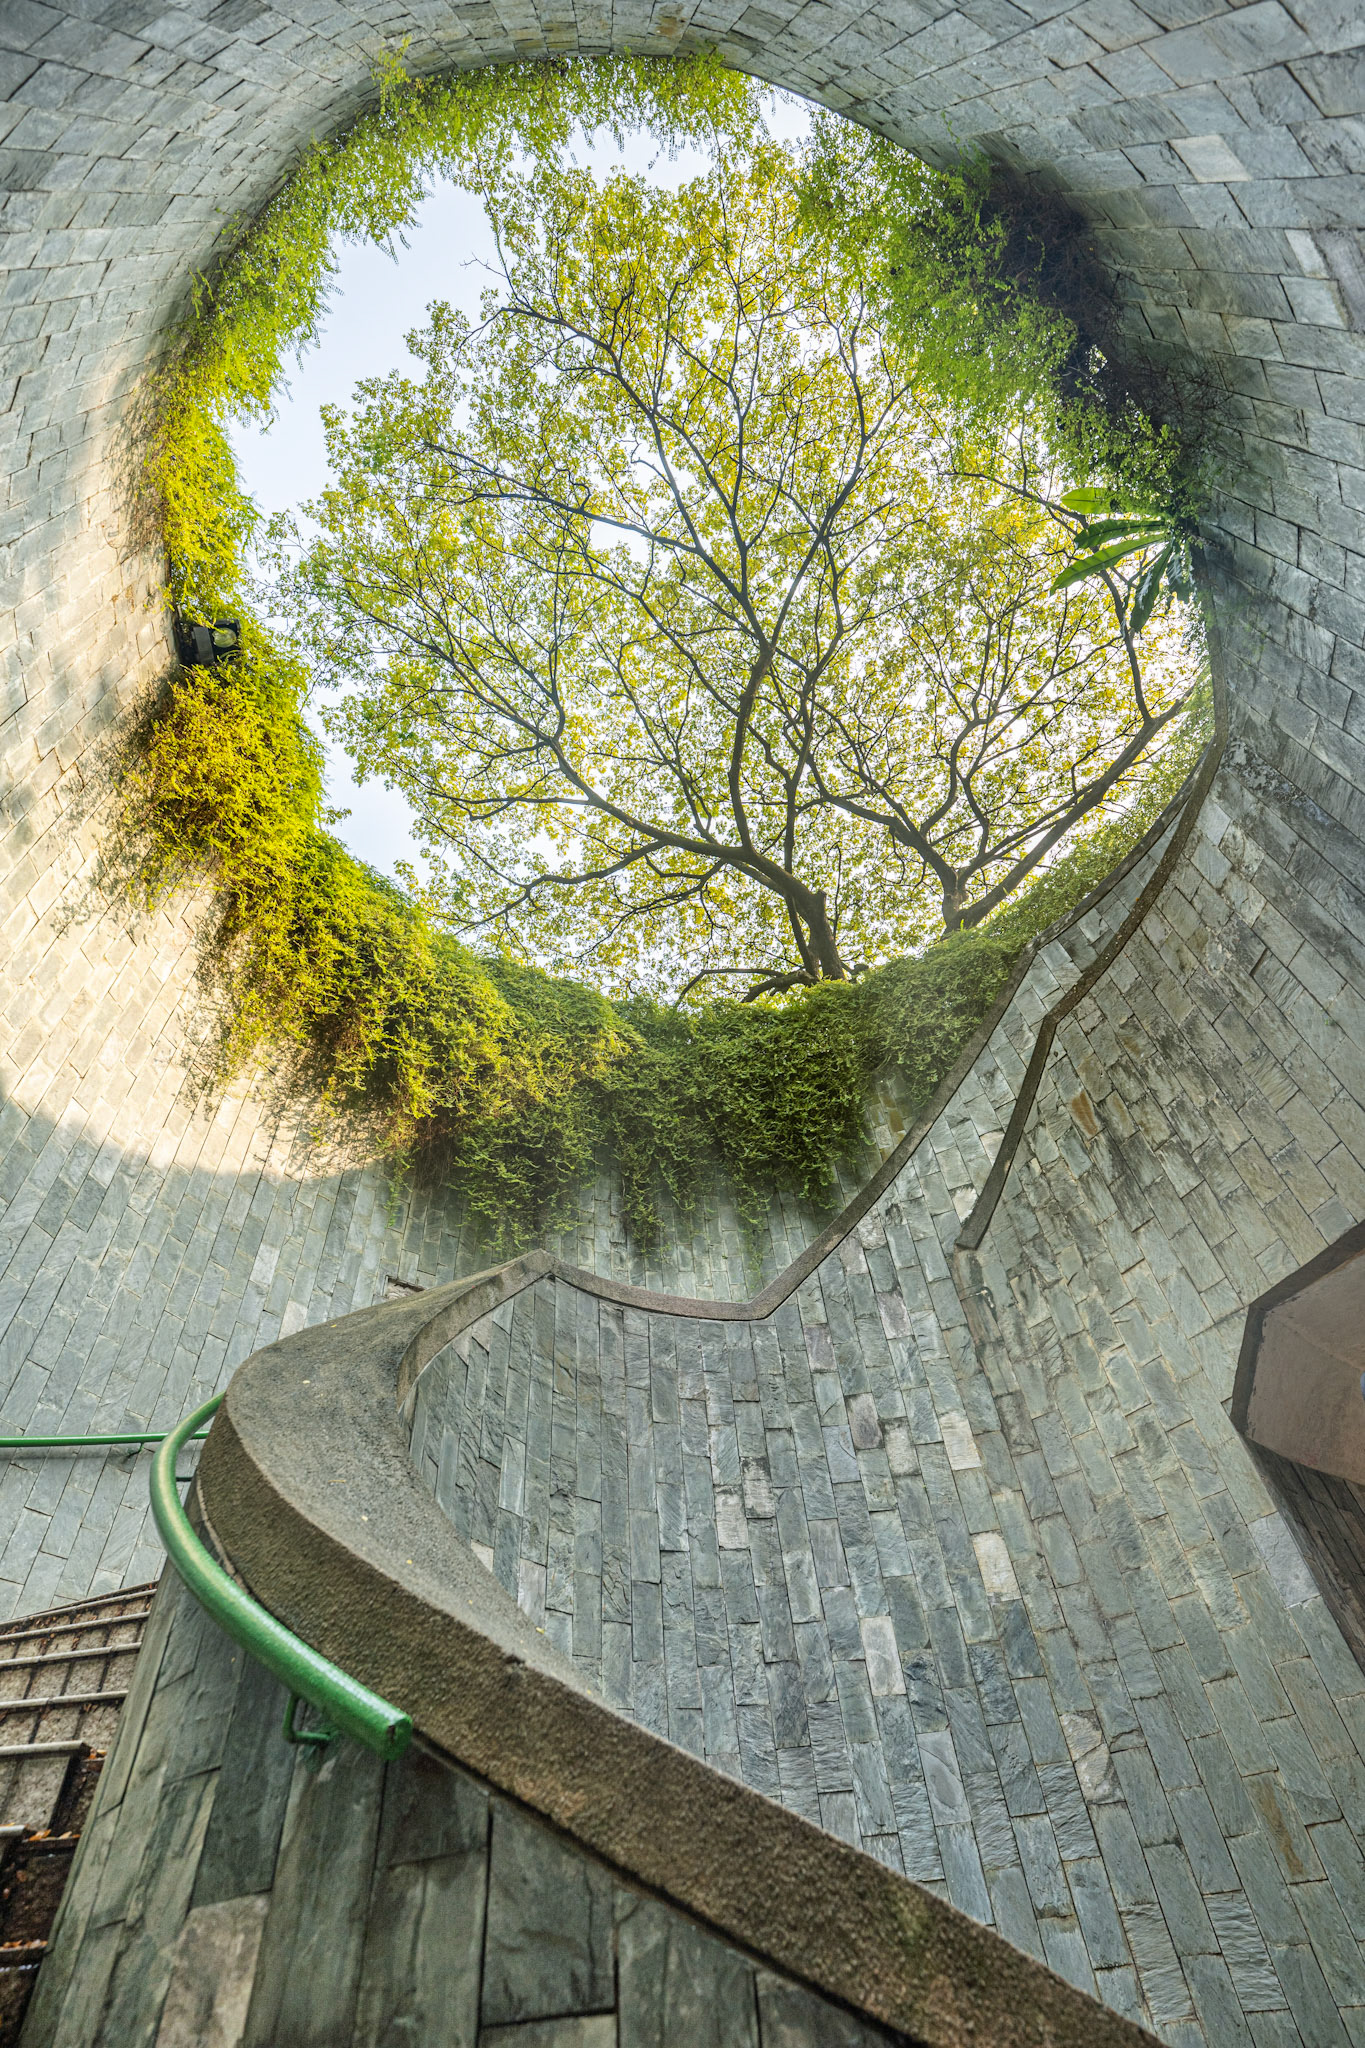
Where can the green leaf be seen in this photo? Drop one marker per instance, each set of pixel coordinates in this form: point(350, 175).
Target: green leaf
point(1181, 574)
point(1145, 596)
point(1097, 531)
point(1090, 498)
point(1091, 565)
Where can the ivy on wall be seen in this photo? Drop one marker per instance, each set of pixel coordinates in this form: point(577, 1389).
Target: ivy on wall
point(992, 286)
point(508, 1084)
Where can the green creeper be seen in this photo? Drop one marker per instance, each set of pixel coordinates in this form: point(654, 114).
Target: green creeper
point(470, 1066)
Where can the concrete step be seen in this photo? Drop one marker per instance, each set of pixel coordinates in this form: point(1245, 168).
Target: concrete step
point(63, 1677)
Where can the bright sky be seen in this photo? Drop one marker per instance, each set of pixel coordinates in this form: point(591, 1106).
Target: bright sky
point(375, 302)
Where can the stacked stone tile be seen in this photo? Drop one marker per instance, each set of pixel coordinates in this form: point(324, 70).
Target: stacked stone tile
point(443, 1913)
point(1199, 1131)
point(1015, 1615)
point(137, 1284)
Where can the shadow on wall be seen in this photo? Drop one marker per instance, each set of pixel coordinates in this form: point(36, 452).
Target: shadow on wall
point(137, 1273)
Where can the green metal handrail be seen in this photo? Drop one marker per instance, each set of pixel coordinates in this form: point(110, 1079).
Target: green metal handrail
point(348, 1708)
point(78, 1443)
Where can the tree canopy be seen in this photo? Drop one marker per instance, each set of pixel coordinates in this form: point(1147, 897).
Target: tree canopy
point(668, 597)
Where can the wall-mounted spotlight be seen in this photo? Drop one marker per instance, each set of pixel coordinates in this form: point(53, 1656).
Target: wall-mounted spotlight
point(205, 646)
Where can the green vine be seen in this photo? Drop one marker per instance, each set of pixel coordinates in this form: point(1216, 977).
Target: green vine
point(266, 299)
point(510, 1086)
point(992, 285)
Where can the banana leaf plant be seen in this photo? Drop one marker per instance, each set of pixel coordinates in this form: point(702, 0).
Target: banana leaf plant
point(1112, 529)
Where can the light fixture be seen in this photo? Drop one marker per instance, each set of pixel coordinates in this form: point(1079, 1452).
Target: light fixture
point(205, 646)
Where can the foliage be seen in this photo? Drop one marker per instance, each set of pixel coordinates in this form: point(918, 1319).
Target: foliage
point(992, 285)
point(1114, 529)
point(664, 607)
point(509, 1084)
point(506, 1082)
point(267, 297)
point(319, 954)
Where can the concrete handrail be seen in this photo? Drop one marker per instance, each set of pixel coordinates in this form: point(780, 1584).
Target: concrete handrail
point(306, 1487)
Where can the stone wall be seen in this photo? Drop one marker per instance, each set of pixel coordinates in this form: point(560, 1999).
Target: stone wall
point(959, 1552)
point(151, 1240)
point(136, 1276)
point(228, 1890)
point(1198, 1131)
point(306, 1487)
point(1212, 146)
point(1328, 1514)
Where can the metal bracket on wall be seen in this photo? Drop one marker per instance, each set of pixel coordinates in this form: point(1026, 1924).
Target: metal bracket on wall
point(315, 1742)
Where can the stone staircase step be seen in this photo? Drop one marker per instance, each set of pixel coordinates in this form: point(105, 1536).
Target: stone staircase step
point(50, 1657)
point(36, 1703)
point(72, 1628)
point(89, 1610)
point(47, 1784)
point(76, 1747)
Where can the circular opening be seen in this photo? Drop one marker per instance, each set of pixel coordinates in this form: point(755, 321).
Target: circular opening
point(788, 813)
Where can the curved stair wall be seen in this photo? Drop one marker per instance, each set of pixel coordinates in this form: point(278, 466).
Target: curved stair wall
point(135, 1277)
point(613, 1885)
point(446, 1915)
point(1197, 1132)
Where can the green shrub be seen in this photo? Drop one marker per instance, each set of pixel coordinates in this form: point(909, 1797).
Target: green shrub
point(991, 283)
point(508, 1085)
point(266, 299)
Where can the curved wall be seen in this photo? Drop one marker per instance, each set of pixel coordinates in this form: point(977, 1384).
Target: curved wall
point(145, 1247)
point(220, 1882)
point(1198, 1132)
point(978, 1576)
point(448, 1917)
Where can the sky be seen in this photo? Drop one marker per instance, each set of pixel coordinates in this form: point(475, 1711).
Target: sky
point(375, 302)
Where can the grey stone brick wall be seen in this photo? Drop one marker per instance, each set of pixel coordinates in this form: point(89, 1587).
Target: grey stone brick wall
point(225, 1892)
point(1329, 1515)
point(1199, 1130)
point(958, 1554)
point(138, 1275)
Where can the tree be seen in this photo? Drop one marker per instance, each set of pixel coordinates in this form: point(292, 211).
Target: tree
point(659, 599)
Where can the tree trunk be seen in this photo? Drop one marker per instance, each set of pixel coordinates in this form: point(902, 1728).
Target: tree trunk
point(954, 904)
point(814, 914)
